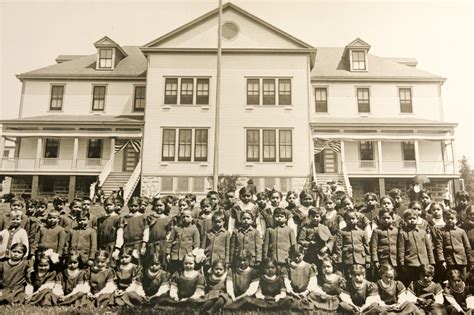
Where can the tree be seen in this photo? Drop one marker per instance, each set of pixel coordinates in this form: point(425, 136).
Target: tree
point(466, 174)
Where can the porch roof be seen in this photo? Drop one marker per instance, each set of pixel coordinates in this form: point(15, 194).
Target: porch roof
point(404, 122)
point(77, 120)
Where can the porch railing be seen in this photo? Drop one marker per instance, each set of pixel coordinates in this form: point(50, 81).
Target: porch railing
point(28, 164)
point(132, 182)
point(105, 172)
point(346, 179)
point(400, 167)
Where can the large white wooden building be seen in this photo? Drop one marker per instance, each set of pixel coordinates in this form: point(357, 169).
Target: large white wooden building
point(289, 112)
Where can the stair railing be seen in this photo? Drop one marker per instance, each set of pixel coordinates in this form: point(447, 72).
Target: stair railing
point(132, 182)
point(105, 172)
point(346, 179)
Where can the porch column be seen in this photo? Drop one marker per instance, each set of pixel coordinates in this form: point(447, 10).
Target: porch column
point(2, 148)
point(343, 157)
point(112, 153)
point(72, 188)
point(379, 155)
point(74, 153)
point(417, 157)
point(453, 151)
point(382, 186)
point(35, 186)
point(39, 146)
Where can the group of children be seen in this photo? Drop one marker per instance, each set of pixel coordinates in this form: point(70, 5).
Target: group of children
point(307, 252)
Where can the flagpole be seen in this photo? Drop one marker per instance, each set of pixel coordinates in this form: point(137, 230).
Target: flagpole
point(215, 177)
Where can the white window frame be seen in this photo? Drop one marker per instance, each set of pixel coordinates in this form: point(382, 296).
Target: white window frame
point(260, 90)
point(351, 51)
point(134, 109)
point(327, 99)
point(92, 98)
point(400, 101)
point(357, 99)
point(53, 85)
point(178, 91)
point(261, 144)
point(193, 145)
point(98, 59)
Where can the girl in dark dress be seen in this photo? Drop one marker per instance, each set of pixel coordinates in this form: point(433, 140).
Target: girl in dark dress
point(13, 274)
point(159, 224)
point(42, 282)
point(101, 280)
point(242, 280)
point(271, 292)
point(389, 292)
point(73, 281)
point(456, 293)
point(331, 282)
point(127, 278)
point(216, 296)
point(429, 293)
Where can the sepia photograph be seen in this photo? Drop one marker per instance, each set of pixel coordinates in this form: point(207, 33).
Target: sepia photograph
point(236, 157)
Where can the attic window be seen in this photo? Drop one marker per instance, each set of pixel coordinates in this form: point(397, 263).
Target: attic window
point(229, 30)
point(358, 60)
point(105, 58)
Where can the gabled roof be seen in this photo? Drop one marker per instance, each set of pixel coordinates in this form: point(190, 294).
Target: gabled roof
point(132, 67)
point(211, 14)
point(107, 42)
point(64, 58)
point(357, 43)
point(331, 64)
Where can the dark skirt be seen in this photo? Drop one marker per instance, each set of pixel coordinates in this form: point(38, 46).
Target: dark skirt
point(13, 296)
point(283, 304)
point(45, 297)
point(79, 299)
point(330, 304)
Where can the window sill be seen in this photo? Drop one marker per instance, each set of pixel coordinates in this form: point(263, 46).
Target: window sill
point(52, 111)
point(289, 165)
point(321, 113)
point(166, 163)
point(205, 107)
point(252, 164)
point(407, 114)
point(288, 107)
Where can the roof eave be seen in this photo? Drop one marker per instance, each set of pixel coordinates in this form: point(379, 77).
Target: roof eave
point(228, 50)
point(22, 77)
point(415, 125)
point(378, 78)
point(61, 123)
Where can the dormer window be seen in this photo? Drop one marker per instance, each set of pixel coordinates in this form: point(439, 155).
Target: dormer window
point(105, 58)
point(358, 60)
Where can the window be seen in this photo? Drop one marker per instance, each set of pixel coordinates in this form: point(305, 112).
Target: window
point(285, 145)
point(358, 60)
point(105, 58)
point(98, 100)
point(264, 143)
point(269, 95)
point(183, 184)
point(363, 100)
point(408, 148)
point(269, 145)
point(200, 145)
point(51, 149)
point(186, 88)
point(253, 92)
point(202, 93)
point(167, 183)
point(405, 100)
point(171, 91)
point(6, 153)
point(57, 93)
point(184, 149)
point(94, 149)
point(321, 96)
point(139, 100)
point(186, 143)
point(169, 144)
point(253, 145)
point(284, 92)
point(366, 151)
point(186, 91)
point(198, 184)
point(268, 92)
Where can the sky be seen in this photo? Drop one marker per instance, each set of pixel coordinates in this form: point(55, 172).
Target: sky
point(439, 34)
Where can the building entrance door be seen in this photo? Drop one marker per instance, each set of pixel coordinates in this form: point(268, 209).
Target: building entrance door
point(130, 159)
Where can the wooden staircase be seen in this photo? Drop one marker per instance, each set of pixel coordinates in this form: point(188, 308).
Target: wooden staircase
point(323, 178)
point(114, 181)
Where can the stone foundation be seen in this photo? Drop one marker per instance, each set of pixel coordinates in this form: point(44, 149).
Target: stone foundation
point(21, 185)
point(150, 186)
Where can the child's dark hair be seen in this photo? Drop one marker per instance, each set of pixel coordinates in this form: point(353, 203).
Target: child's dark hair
point(41, 256)
point(408, 213)
point(245, 191)
point(205, 201)
point(450, 213)
point(296, 251)
point(387, 198)
point(454, 273)
point(42, 201)
point(17, 200)
point(71, 255)
point(126, 251)
point(184, 200)
point(58, 201)
point(212, 193)
point(394, 192)
point(218, 215)
point(21, 246)
point(386, 268)
point(462, 195)
point(346, 199)
point(315, 211)
point(370, 195)
point(75, 201)
point(357, 270)
point(31, 203)
point(162, 200)
point(424, 192)
point(135, 200)
point(191, 197)
point(434, 204)
point(280, 211)
point(261, 196)
point(101, 253)
point(244, 254)
point(428, 270)
point(155, 259)
point(218, 262)
point(248, 213)
point(348, 212)
point(110, 200)
point(274, 191)
point(86, 199)
point(267, 261)
point(414, 202)
point(383, 211)
point(305, 193)
point(327, 259)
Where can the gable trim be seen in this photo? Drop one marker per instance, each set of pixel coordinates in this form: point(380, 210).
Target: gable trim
point(214, 12)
